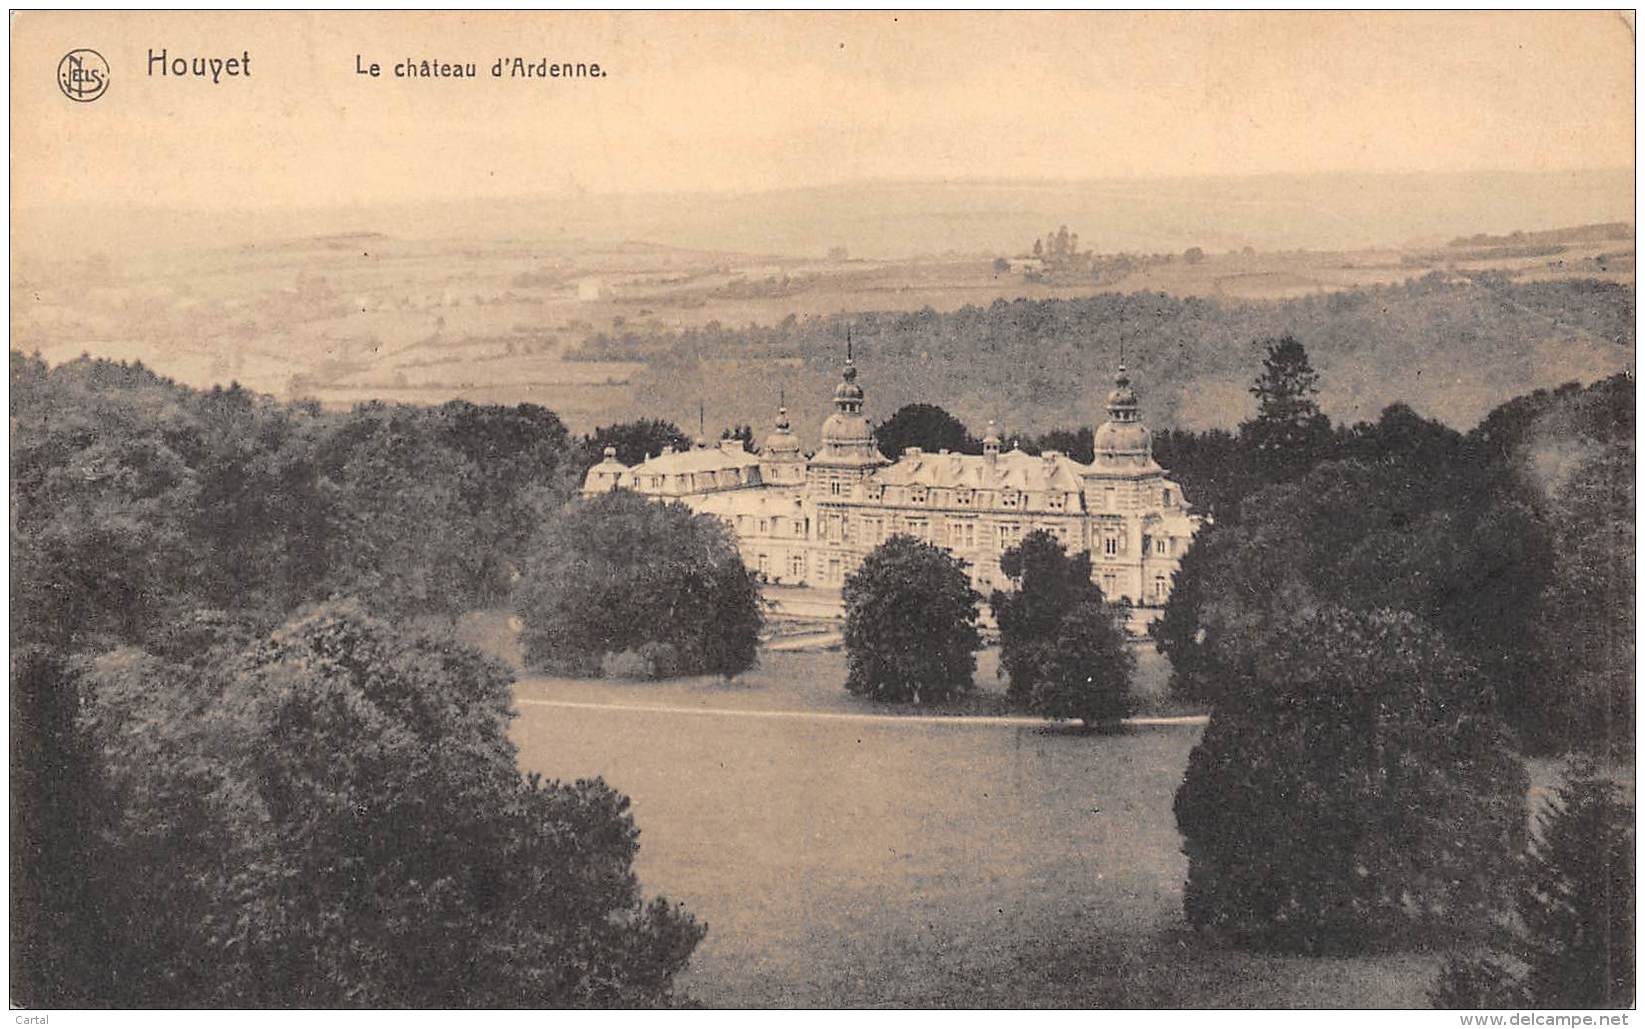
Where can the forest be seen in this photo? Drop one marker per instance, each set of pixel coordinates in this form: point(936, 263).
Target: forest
point(1452, 346)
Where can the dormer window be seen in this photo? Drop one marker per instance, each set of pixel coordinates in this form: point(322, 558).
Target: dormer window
point(962, 498)
point(917, 495)
point(1054, 501)
point(876, 492)
point(1008, 498)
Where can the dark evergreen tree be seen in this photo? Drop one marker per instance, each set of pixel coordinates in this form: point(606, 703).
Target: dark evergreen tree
point(1289, 435)
point(1571, 944)
point(910, 624)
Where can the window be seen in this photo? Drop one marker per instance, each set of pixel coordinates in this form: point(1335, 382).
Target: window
point(917, 495)
point(1008, 498)
point(1162, 589)
point(919, 528)
point(1110, 587)
point(1010, 536)
point(765, 527)
point(1160, 547)
point(1165, 497)
point(836, 487)
point(796, 566)
point(962, 498)
point(876, 492)
point(1110, 546)
point(834, 570)
point(1054, 501)
point(1108, 503)
point(765, 565)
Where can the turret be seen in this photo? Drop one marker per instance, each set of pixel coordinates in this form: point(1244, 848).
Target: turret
point(848, 452)
point(781, 463)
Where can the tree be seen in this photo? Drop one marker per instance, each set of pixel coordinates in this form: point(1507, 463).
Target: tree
point(1572, 945)
point(1086, 671)
point(1583, 633)
point(744, 433)
point(1351, 790)
point(1079, 444)
point(618, 573)
point(910, 624)
point(926, 426)
point(635, 441)
point(333, 817)
point(1193, 255)
point(1289, 434)
point(1063, 647)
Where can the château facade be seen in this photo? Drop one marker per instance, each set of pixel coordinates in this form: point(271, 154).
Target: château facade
point(810, 520)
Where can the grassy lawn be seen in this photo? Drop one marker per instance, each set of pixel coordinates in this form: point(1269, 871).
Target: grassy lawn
point(846, 862)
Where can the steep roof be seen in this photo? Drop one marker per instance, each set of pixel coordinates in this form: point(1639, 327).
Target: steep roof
point(1050, 472)
point(702, 459)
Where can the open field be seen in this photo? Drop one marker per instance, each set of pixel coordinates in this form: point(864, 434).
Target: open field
point(399, 313)
point(897, 862)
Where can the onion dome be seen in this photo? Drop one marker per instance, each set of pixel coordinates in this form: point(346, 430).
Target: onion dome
point(846, 428)
point(782, 439)
point(1123, 433)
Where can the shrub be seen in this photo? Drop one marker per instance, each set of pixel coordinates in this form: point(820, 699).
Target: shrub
point(910, 624)
point(1349, 791)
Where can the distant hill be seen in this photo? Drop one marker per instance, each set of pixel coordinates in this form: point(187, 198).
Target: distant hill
point(1451, 346)
point(1619, 231)
point(883, 220)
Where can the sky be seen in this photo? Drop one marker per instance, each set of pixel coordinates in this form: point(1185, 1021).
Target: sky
point(735, 103)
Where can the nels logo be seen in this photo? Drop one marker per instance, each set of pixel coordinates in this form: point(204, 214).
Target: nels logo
point(83, 75)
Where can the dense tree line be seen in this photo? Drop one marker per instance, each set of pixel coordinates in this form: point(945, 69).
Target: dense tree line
point(1514, 540)
point(225, 795)
point(1370, 614)
point(149, 497)
point(1035, 365)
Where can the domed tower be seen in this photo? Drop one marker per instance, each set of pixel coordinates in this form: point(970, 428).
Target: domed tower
point(781, 463)
point(1123, 442)
point(848, 452)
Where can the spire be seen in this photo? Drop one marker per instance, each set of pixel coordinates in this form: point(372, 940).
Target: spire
point(1122, 402)
point(848, 395)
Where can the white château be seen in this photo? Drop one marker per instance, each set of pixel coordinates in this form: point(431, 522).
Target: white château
point(810, 520)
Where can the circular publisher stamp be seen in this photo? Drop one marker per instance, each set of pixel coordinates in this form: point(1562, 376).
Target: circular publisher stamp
point(83, 75)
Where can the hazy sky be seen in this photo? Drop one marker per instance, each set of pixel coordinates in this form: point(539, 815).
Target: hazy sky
point(738, 102)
